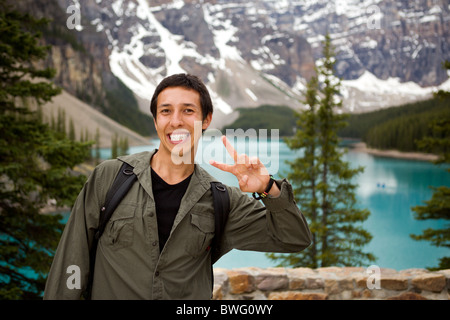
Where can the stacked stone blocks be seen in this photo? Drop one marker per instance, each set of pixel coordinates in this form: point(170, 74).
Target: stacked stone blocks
point(333, 283)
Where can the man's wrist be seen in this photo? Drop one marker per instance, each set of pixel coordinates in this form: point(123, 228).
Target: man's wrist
point(267, 190)
point(275, 191)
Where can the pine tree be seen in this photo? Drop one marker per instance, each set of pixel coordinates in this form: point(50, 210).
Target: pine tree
point(72, 134)
point(114, 146)
point(123, 146)
point(35, 161)
point(438, 207)
point(322, 181)
point(97, 146)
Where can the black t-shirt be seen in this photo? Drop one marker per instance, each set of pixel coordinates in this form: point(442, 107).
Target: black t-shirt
point(167, 202)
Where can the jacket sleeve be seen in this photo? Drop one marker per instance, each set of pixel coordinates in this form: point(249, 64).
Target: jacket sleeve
point(69, 272)
point(276, 225)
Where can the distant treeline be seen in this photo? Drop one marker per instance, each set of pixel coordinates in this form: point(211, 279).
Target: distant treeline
point(123, 108)
point(397, 127)
point(119, 144)
point(266, 117)
point(392, 128)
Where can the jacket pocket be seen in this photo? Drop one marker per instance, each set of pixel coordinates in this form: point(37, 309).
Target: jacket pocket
point(201, 234)
point(121, 226)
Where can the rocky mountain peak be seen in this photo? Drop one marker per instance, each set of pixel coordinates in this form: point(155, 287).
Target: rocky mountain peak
point(263, 51)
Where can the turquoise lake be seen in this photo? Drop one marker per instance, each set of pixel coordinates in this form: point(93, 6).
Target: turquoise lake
point(388, 187)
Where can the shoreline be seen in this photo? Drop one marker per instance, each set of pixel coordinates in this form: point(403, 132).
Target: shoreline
point(362, 147)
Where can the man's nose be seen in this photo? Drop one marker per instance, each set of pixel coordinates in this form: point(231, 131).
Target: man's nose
point(176, 119)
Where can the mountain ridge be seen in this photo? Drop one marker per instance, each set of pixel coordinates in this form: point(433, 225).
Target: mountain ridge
point(251, 53)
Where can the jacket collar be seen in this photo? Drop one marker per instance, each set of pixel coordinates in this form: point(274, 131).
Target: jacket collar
point(141, 163)
point(198, 186)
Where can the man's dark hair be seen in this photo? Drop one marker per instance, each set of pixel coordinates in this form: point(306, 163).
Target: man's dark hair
point(187, 81)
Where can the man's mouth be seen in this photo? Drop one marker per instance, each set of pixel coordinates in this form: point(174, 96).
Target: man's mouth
point(178, 137)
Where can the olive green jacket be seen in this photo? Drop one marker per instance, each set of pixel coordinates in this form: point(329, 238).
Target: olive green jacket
point(129, 264)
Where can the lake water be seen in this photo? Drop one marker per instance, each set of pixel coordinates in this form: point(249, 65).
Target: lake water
point(388, 188)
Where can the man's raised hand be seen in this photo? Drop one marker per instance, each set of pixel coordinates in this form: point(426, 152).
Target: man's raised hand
point(252, 175)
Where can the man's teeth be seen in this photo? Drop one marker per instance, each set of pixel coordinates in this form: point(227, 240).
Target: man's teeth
point(178, 137)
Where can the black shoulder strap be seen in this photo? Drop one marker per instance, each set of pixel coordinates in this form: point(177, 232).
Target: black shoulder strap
point(221, 210)
point(120, 187)
point(123, 182)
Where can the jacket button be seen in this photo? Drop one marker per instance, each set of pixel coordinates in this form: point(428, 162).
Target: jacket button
point(154, 243)
point(157, 273)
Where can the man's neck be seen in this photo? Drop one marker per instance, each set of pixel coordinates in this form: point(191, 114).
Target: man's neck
point(170, 172)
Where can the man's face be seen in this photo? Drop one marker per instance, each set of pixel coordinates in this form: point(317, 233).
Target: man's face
point(178, 112)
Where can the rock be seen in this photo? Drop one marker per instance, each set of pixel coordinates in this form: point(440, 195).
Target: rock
point(240, 281)
point(408, 296)
point(314, 282)
point(394, 282)
point(431, 282)
point(297, 277)
point(331, 283)
point(296, 295)
point(272, 279)
point(217, 292)
point(332, 286)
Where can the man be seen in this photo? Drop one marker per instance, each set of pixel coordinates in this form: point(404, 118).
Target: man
point(157, 243)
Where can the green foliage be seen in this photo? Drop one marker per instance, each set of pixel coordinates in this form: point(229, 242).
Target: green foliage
point(322, 181)
point(119, 146)
point(438, 207)
point(398, 127)
point(122, 107)
point(265, 117)
point(35, 161)
point(402, 133)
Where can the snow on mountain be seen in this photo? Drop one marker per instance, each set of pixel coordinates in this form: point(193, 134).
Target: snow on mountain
point(255, 52)
point(370, 93)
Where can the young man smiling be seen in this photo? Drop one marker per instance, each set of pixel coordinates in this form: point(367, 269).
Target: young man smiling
point(157, 243)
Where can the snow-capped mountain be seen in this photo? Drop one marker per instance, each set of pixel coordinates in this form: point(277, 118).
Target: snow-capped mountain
point(253, 52)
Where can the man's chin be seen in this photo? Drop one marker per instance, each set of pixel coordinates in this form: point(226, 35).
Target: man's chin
point(182, 154)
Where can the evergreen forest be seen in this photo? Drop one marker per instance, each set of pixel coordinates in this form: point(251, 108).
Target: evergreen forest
point(398, 127)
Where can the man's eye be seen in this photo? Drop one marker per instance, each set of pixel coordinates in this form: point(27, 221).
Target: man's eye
point(165, 111)
point(189, 110)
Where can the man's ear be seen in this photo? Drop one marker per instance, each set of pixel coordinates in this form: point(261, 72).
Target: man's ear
point(207, 121)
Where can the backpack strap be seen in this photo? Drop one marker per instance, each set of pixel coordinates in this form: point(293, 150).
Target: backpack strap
point(120, 187)
point(123, 182)
point(221, 210)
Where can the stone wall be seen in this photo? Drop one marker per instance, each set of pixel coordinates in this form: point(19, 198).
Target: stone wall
point(333, 283)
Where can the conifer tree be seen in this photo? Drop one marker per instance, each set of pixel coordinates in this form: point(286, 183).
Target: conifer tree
point(322, 181)
point(123, 146)
point(438, 207)
point(72, 134)
point(114, 146)
point(35, 161)
point(97, 146)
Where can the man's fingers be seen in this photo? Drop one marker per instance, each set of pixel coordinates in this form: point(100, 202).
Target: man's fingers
point(230, 148)
point(254, 162)
point(242, 159)
point(221, 166)
point(243, 182)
